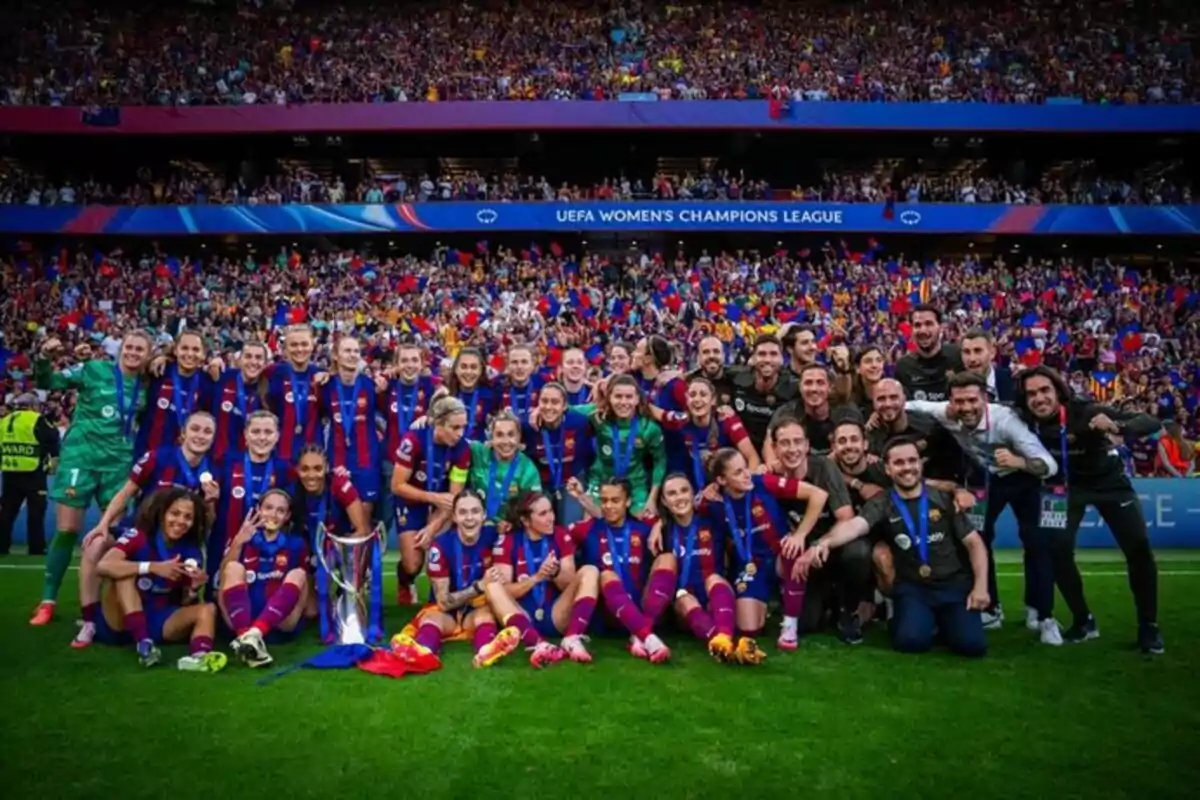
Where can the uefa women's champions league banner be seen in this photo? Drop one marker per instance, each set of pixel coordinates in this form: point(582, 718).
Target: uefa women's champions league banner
point(676, 217)
point(1171, 507)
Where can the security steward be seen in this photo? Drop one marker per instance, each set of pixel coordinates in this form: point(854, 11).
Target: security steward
point(28, 449)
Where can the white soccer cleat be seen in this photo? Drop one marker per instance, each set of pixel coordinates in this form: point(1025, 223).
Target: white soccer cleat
point(1051, 634)
point(1031, 618)
point(574, 647)
point(251, 648)
point(87, 633)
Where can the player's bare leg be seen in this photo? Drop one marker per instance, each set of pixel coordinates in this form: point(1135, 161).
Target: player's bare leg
point(518, 628)
point(412, 559)
point(89, 589)
point(198, 624)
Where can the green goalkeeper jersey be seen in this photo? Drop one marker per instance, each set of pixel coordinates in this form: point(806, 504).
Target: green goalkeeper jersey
point(101, 431)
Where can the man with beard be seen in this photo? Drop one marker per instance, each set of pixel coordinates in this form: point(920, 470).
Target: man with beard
point(926, 535)
point(979, 356)
point(1092, 474)
point(943, 460)
point(1003, 464)
point(925, 373)
point(812, 408)
point(710, 364)
point(759, 392)
point(801, 341)
point(864, 479)
point(846, 580)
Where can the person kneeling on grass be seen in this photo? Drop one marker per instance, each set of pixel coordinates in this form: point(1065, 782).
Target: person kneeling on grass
point(926, 534)
point(541, 590)
point(264, 576)
point(460, 567)
point(154, 572)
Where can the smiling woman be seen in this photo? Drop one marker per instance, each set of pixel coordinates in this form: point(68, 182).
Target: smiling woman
point(499, 470)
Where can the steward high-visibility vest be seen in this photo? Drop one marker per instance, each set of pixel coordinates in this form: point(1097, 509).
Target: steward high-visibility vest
point(19, 447)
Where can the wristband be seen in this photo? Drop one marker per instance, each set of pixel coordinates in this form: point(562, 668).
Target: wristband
point(143, 568)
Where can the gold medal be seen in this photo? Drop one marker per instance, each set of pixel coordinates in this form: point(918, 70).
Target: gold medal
point(751, 569)
point(539, 615)
point(925, 571)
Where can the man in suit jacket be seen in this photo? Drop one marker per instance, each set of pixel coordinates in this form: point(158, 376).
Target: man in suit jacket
point(979, 356)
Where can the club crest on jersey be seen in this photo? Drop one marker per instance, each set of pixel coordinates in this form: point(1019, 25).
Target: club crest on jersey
point(435, 556)
point(635, 541)
point(705, 537)
point(227, 406)
point(145, 583)
point(739, 404)
point(934, 514)
point(607, 559)
point(406, 447)
point(362, 402)
point(163, 403)
point(919, 394)
point(108, 412)
point(238, 492)
point(281, 561)
point(903, 542)
point(758, 511)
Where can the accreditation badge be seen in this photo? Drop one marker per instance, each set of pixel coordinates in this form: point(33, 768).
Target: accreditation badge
point(1054, 508)
point(978, 513)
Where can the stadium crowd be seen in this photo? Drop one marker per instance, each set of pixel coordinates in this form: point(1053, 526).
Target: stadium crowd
point(1015, 51)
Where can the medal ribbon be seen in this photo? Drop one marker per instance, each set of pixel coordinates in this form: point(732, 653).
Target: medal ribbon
point(697, 462)
point(430, 461)
point(189, 472)
point(623, 454)
point(689, 550)
point(618, 563)
point(126, 412)
point(1062, 443)
point(539, 589)
point(300, 390)
point(406, 407)
point(920, 532)
point(239, 387)
point(555, 454)
point(743, 542)
point(494, 501)
point(183, 409)
point(520, 409)
point(473, 570)
point(346, 406)
point(255, 489)
point(468, 400)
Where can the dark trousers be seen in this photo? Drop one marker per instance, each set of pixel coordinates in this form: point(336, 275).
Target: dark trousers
point(1021, 491)
point(24, 488)
point(917, 609)
point(842, 583)
point(1122, 512)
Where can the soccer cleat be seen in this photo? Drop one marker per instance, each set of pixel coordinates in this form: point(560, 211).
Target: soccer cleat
point(1050, 632)
point(409, 649)
point(251, 649)
point(748, 652)
point(212, 661)
point(505, 642)
point(637, 648)
point(545, 653)
point(1031, 619)
point(1082, 631)
point(43, 614)
point(721, 647)
point(575, 650)
point(789, 637)
point(406, 595)
point(850, 628)
point(1150, 639)
point(148, 654)
point(657, 649)
point(994, 619)
point(87, 632)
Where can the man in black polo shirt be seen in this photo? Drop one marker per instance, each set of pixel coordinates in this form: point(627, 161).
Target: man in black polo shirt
point(711, 364)
point(935, 586)
point(761, 390)
point(942, 455)
point(801, 340)
point(812, 408)
point(925, 373)
point(864, 479)
point(1091, 475)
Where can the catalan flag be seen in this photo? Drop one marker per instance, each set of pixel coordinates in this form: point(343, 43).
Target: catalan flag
point(1103, 386)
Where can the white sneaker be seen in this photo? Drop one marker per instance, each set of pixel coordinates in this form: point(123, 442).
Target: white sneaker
point(1031, 619)
point(993, 619)
point(1051, 634)
point(87, 633)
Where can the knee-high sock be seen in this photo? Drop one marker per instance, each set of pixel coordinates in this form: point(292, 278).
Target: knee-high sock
point(279, 607)
point(659, 591)
point(581, 615)
point(701, 624)
point(57, 560)
point(529, 636)
point(200, 645)
point(720, 604)
point(625, 610)
point(237, 607)
point(793, 592)
point(484, 633)
point(430, 636)
point(402, 577)
point(135, 626)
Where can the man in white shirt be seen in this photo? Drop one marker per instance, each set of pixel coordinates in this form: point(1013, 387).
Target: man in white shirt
point(1004, 465)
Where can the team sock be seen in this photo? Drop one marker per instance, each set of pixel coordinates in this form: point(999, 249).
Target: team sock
point(57, 560)
point(581, 616)
point(135, 626)
point(200, 645)
point(752, 633)
point(659, 591)
point(279, 607)
point(720, 604)
point(793, 592)
point(701, 624)
point(484, 633)
point(89, 612)
point(430, 636)
point(237, 606)
point(403, 577)
point(625, 610)
point(529, 636)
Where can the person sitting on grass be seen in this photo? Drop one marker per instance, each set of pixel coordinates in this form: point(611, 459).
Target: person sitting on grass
point(153, 572)
point(264, 579)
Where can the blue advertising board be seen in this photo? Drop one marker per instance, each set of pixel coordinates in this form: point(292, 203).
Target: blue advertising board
point(764, 216)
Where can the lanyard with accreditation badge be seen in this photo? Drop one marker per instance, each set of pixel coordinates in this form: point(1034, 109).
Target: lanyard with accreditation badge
point(1053, 515)
point(978, 513)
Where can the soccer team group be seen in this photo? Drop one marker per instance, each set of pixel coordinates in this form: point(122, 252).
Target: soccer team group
point(550, 505)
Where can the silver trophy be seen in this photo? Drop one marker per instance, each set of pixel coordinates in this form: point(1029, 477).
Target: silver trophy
point(350, 586)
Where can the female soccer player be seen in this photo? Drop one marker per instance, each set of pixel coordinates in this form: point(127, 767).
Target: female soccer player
point(561, 447)
point(541, 592)
point(292, 393)
point(520, 387)
point(264, 577)
point(625, 440)
point(695, 544)
point(237, 393)
point(651, 358)
point(499, 470)
point(406, 398)
point(620, 358)
point(764, 554)
point(348, 406)
point(617, 545)
point(432, 464)
point(460, 567)
point(572, 372)
point(327, 497)
point(180, 390)
point(693, 436)
point(155, 571)
point(468, 383)
point(97, 452)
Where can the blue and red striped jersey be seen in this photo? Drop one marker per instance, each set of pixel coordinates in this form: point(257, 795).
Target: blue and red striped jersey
point(461, 564)
point(294, 399)
point(520, 399)
point(158, 592)
point(623, 549)
point(231, 401)
point(330, 506)
point(571, 444)
point(167, 467)
point(402, 403)
point(268, 561)
point(352, 441)
point(172, 398)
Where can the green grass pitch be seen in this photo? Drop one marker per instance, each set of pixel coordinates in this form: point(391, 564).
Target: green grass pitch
point(1094, 720)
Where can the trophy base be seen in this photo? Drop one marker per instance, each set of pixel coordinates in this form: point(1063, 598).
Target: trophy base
point(350, 629)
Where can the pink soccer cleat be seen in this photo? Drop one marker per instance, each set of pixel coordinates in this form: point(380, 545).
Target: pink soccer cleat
point(43, 614)
point(575, 650)
point(637, 648)
point(87, 632)
point(658, 650)
point(545, 653)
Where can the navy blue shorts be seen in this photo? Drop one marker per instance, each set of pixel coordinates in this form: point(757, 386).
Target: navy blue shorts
point(156, 618)
point(762, 586)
